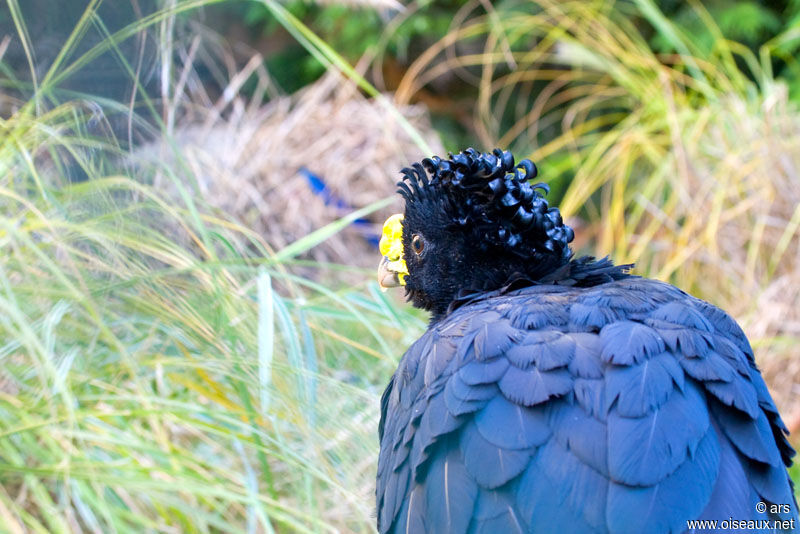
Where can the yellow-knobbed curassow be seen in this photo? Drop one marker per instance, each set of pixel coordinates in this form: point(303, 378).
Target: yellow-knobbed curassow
point(555, 394)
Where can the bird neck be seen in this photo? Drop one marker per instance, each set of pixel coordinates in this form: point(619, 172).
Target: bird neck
point(585, 271)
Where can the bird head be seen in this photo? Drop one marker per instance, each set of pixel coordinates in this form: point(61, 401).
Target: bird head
point(472, 223)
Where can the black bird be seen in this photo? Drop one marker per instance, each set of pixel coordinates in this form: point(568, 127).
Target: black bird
point(554, 394)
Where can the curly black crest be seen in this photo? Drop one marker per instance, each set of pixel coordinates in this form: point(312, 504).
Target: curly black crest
point(490, 192)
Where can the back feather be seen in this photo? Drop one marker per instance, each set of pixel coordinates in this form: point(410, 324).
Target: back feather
point(596, 403)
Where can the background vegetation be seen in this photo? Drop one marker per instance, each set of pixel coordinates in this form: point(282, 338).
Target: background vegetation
point(191, 339)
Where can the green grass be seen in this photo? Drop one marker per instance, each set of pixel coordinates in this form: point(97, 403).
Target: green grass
point(161, 367)
point(157, 378)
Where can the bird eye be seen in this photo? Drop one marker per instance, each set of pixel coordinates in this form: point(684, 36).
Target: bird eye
point(417, 244)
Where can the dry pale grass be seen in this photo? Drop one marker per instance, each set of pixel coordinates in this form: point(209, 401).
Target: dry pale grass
point(247, 162)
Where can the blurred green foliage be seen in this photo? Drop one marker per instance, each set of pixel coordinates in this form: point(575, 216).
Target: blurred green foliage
point(352, 31)
point(748, 22)
point(771, 27)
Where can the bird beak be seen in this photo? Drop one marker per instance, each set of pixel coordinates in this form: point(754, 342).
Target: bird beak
point(386, 276)
point(392, 269)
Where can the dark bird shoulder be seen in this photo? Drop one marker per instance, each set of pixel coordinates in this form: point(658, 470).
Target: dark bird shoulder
point(585, 271)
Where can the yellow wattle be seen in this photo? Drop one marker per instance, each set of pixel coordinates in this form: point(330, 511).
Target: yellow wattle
point(391, 246)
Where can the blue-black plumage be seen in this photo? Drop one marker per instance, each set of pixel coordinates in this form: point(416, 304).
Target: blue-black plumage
point(553, 394)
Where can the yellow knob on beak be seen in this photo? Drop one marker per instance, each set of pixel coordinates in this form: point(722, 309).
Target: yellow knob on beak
point(392, 269)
